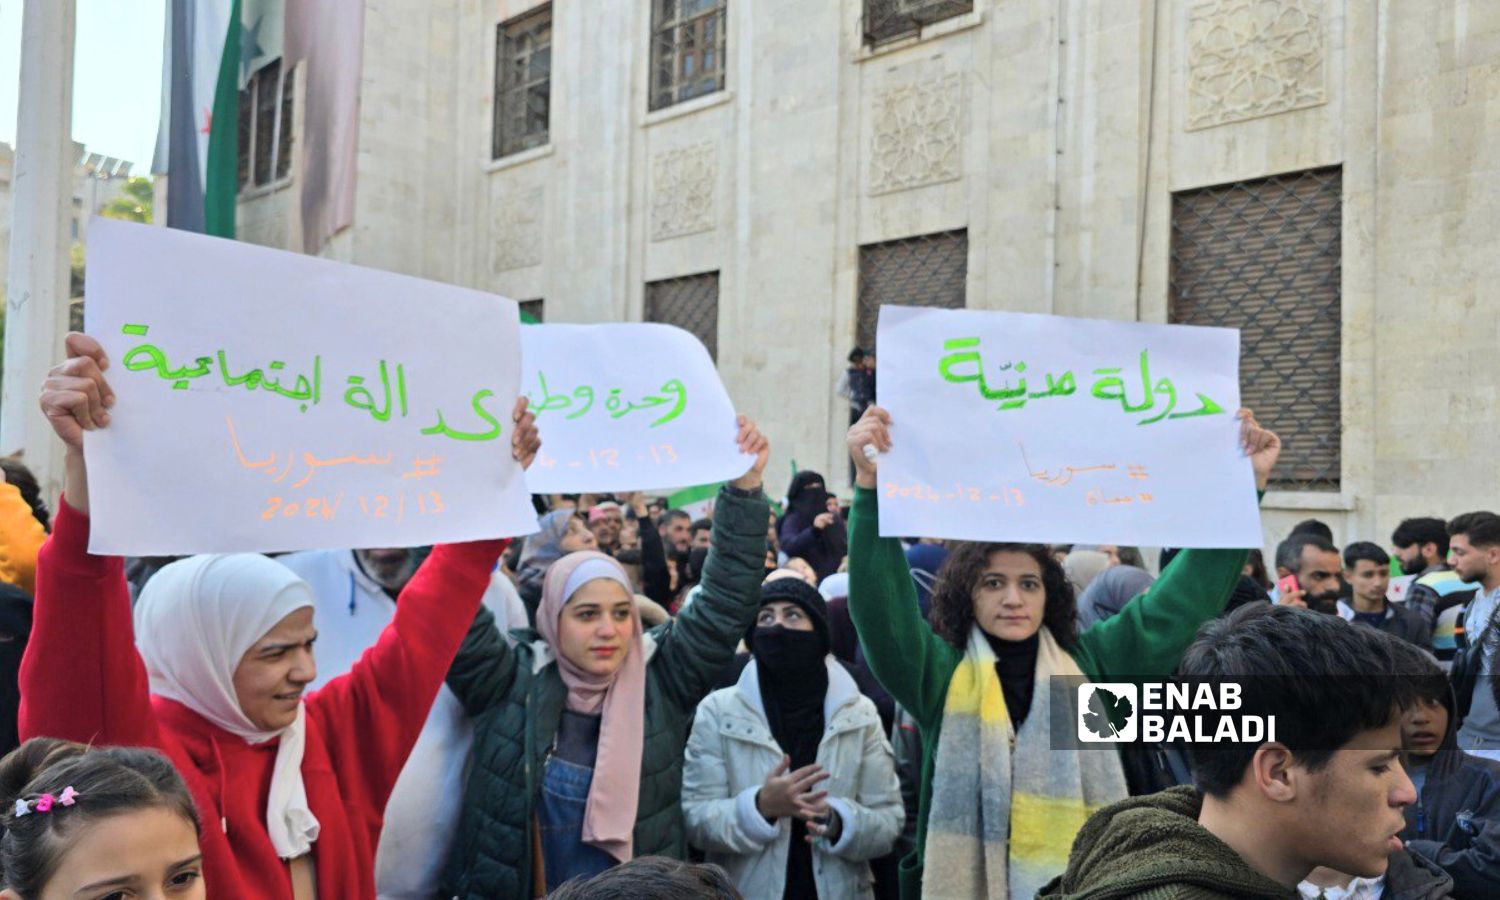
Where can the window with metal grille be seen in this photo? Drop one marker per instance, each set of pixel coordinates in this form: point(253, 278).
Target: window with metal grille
point(928, 270)
point(265, 126)
point(531, 311)
point(889, 20)
point(523, 83)
point(687, 49)
point(691, 303)
point(1263, 256)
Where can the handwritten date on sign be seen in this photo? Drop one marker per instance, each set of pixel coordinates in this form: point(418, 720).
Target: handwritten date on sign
point(609, 458)
point(372, 506)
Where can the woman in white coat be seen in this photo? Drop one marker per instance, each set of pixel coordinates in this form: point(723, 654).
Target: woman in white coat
point(789, 782)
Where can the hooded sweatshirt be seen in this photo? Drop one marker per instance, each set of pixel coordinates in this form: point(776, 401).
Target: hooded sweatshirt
point(82, 679)
point(1152, 848)
point(1456, 819)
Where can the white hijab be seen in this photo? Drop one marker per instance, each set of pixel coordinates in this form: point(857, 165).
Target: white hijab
point(195, 620)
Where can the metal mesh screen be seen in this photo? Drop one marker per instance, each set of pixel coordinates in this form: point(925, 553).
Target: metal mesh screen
point(888, 20)
point(691, 303)
point(928, 270)
point(1263, 256)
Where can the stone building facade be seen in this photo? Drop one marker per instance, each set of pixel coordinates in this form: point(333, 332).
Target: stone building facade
point(1321, 172)
point(97, 179)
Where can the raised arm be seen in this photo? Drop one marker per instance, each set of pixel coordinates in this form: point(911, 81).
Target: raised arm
point(485, 667)
point(1148, 637)
point(912, 662)
point(656, 580)
point(81, 678)
point(692, 648)
point(373, 715)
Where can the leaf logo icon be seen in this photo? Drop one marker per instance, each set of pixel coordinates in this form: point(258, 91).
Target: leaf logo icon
point(1108, 714)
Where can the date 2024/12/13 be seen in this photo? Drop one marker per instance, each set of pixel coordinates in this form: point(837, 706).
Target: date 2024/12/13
point(395, 507)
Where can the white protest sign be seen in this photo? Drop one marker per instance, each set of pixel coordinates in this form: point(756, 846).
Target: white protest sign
point(625, 407)
point(273, 401)
point(1017, 427)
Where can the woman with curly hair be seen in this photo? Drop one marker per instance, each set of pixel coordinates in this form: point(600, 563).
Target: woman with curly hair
point(999, 805)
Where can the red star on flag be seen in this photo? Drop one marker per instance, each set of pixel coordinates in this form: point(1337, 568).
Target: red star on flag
point(208, 121)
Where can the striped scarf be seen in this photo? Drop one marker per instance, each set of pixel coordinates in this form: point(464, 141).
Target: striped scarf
point(1032, 799)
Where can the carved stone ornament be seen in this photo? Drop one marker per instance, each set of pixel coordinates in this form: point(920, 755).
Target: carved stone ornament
point(1253, 58)
point(517, 226)
point(918, 135)
point(684, 183)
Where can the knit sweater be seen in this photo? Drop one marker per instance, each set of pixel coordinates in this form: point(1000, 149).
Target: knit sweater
point(1152, 848)
point(1145, 640)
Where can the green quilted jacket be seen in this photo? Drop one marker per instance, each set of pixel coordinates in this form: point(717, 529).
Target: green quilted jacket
point(516, 711)
point(1152, 848)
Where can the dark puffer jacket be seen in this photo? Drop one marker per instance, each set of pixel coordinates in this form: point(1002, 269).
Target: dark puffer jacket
point(516, 712)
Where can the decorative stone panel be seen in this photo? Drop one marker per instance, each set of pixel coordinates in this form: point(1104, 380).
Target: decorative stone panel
point(918, 135)
point(684, 182)
point(516, 222)
point(1253, 58)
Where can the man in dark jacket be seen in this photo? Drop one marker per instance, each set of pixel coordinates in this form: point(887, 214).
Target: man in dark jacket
point(1367, 569)
point(1261, 816)
point(1456, 819)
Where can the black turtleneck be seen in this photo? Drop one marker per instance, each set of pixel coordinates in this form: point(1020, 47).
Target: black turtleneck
point(1015, 663)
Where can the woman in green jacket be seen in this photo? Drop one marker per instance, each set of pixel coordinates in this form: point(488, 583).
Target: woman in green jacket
point(579, 730)
point(984, 675)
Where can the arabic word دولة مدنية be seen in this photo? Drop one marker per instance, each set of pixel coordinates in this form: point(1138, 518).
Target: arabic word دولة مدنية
point(1108, 384)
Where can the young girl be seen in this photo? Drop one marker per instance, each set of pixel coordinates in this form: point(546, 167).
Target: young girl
point(999, 805)
point(101, 824)
point(578, 732)
point(214, 671)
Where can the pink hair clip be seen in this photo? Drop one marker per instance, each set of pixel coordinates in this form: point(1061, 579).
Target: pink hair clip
point(45, 802)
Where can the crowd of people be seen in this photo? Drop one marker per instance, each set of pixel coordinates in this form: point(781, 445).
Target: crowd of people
point(753, 700)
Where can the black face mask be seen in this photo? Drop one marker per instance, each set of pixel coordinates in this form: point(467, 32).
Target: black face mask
point(793, 655)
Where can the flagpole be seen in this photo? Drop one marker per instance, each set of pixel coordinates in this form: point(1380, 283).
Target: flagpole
point(36, 295)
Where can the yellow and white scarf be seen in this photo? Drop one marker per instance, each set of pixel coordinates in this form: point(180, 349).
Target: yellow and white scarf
point(1032, 798)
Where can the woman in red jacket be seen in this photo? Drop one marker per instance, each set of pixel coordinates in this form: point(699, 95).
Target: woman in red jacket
point(291, 788)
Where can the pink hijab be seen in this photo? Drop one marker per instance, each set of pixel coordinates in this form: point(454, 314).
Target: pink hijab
point(614, 795)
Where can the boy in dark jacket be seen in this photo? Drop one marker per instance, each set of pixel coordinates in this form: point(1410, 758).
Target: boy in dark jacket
point(1261, 816)
point(1456, 819)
